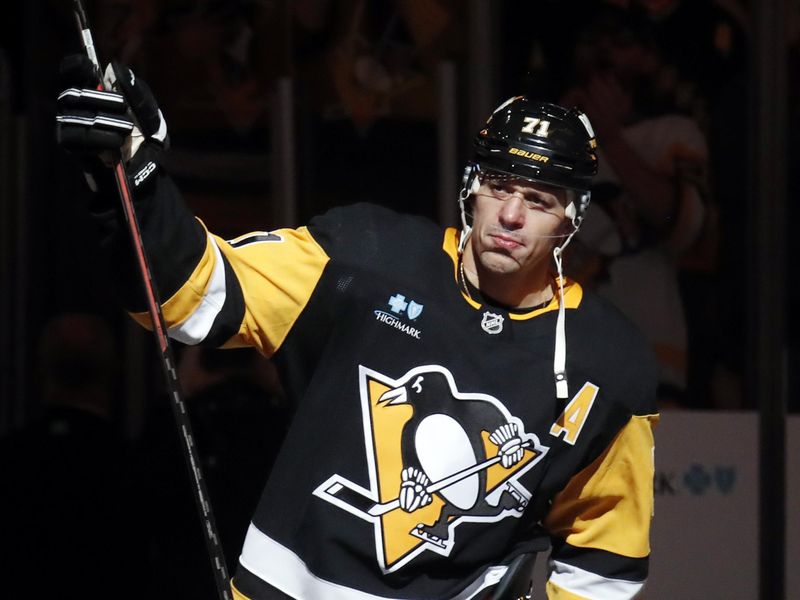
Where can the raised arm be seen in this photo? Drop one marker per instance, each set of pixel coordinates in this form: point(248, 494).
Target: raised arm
point(246, 291)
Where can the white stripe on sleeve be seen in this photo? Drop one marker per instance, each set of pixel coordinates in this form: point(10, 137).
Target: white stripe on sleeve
point(195, 329)
point(591, 585)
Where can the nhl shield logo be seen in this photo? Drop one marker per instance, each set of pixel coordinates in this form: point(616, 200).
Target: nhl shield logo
point(492, 323)
point(414, 310)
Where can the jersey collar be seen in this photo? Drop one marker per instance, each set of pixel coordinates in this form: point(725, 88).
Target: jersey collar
point(573, 292)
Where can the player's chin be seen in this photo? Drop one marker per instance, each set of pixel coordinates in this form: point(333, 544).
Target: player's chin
point(500, 262)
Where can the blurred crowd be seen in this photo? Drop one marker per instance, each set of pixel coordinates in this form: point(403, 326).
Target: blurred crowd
point(88, 509)
point(662, 81)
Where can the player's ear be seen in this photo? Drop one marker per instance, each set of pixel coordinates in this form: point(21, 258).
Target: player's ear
point(566, 227)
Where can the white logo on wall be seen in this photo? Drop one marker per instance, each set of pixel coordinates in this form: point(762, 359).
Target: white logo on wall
point(492, 323)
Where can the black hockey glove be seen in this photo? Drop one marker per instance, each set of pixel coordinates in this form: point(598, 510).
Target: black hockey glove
point(94, 124)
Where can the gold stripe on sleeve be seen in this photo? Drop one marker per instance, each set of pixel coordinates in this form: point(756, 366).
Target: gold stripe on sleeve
point(277, 278)
point(555, 592)
point(182, 304)
point(609, 504)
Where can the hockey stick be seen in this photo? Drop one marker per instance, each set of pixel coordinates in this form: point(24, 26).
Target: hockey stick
point(213, 544)
point(517, 582)
point(377, 509)
point(381, 509)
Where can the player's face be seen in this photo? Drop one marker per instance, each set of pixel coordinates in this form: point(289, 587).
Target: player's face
point(516, 224)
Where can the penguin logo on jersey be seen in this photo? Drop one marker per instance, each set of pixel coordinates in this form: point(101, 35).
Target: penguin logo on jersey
point(436, 458)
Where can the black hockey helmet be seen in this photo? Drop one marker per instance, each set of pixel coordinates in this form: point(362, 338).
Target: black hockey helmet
point(538, 141)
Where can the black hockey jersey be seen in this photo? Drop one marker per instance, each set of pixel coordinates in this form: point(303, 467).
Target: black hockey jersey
point(402, 380)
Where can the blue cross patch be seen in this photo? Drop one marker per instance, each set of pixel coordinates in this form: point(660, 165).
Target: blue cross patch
point(398, 303)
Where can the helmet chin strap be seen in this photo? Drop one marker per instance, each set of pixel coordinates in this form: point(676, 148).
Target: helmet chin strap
point(466, 228)
point(471, 186)
point(560, 353)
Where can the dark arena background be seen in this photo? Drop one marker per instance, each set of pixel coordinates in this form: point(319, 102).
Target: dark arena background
point(279, 110)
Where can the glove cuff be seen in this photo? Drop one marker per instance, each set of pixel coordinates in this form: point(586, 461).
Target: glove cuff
point(100, 178)
point(143, 167)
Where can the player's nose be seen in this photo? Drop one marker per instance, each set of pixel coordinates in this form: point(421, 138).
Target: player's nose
point(512, 212)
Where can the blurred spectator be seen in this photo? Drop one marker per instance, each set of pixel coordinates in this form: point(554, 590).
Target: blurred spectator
point(69, 517)
point(214, 65)
point(537, 43)
point(122, 27)
point(703, 47)
point(700, 71)
point(648, 203)
point(239, 420)
point(367, 73)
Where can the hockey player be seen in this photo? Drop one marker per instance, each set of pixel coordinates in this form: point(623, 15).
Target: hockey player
point(459, 404)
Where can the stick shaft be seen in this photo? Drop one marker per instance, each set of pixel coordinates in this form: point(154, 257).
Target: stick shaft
point(440, 484)
point(188, 446)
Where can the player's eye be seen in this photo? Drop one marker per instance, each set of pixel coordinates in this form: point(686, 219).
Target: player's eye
point(500, 190)
point(542, 201)
point(532, 201)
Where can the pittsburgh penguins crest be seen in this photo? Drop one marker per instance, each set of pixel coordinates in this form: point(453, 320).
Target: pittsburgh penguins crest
point(437, 457)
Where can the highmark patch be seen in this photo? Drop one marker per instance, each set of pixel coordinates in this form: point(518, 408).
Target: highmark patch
point(392, 321)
